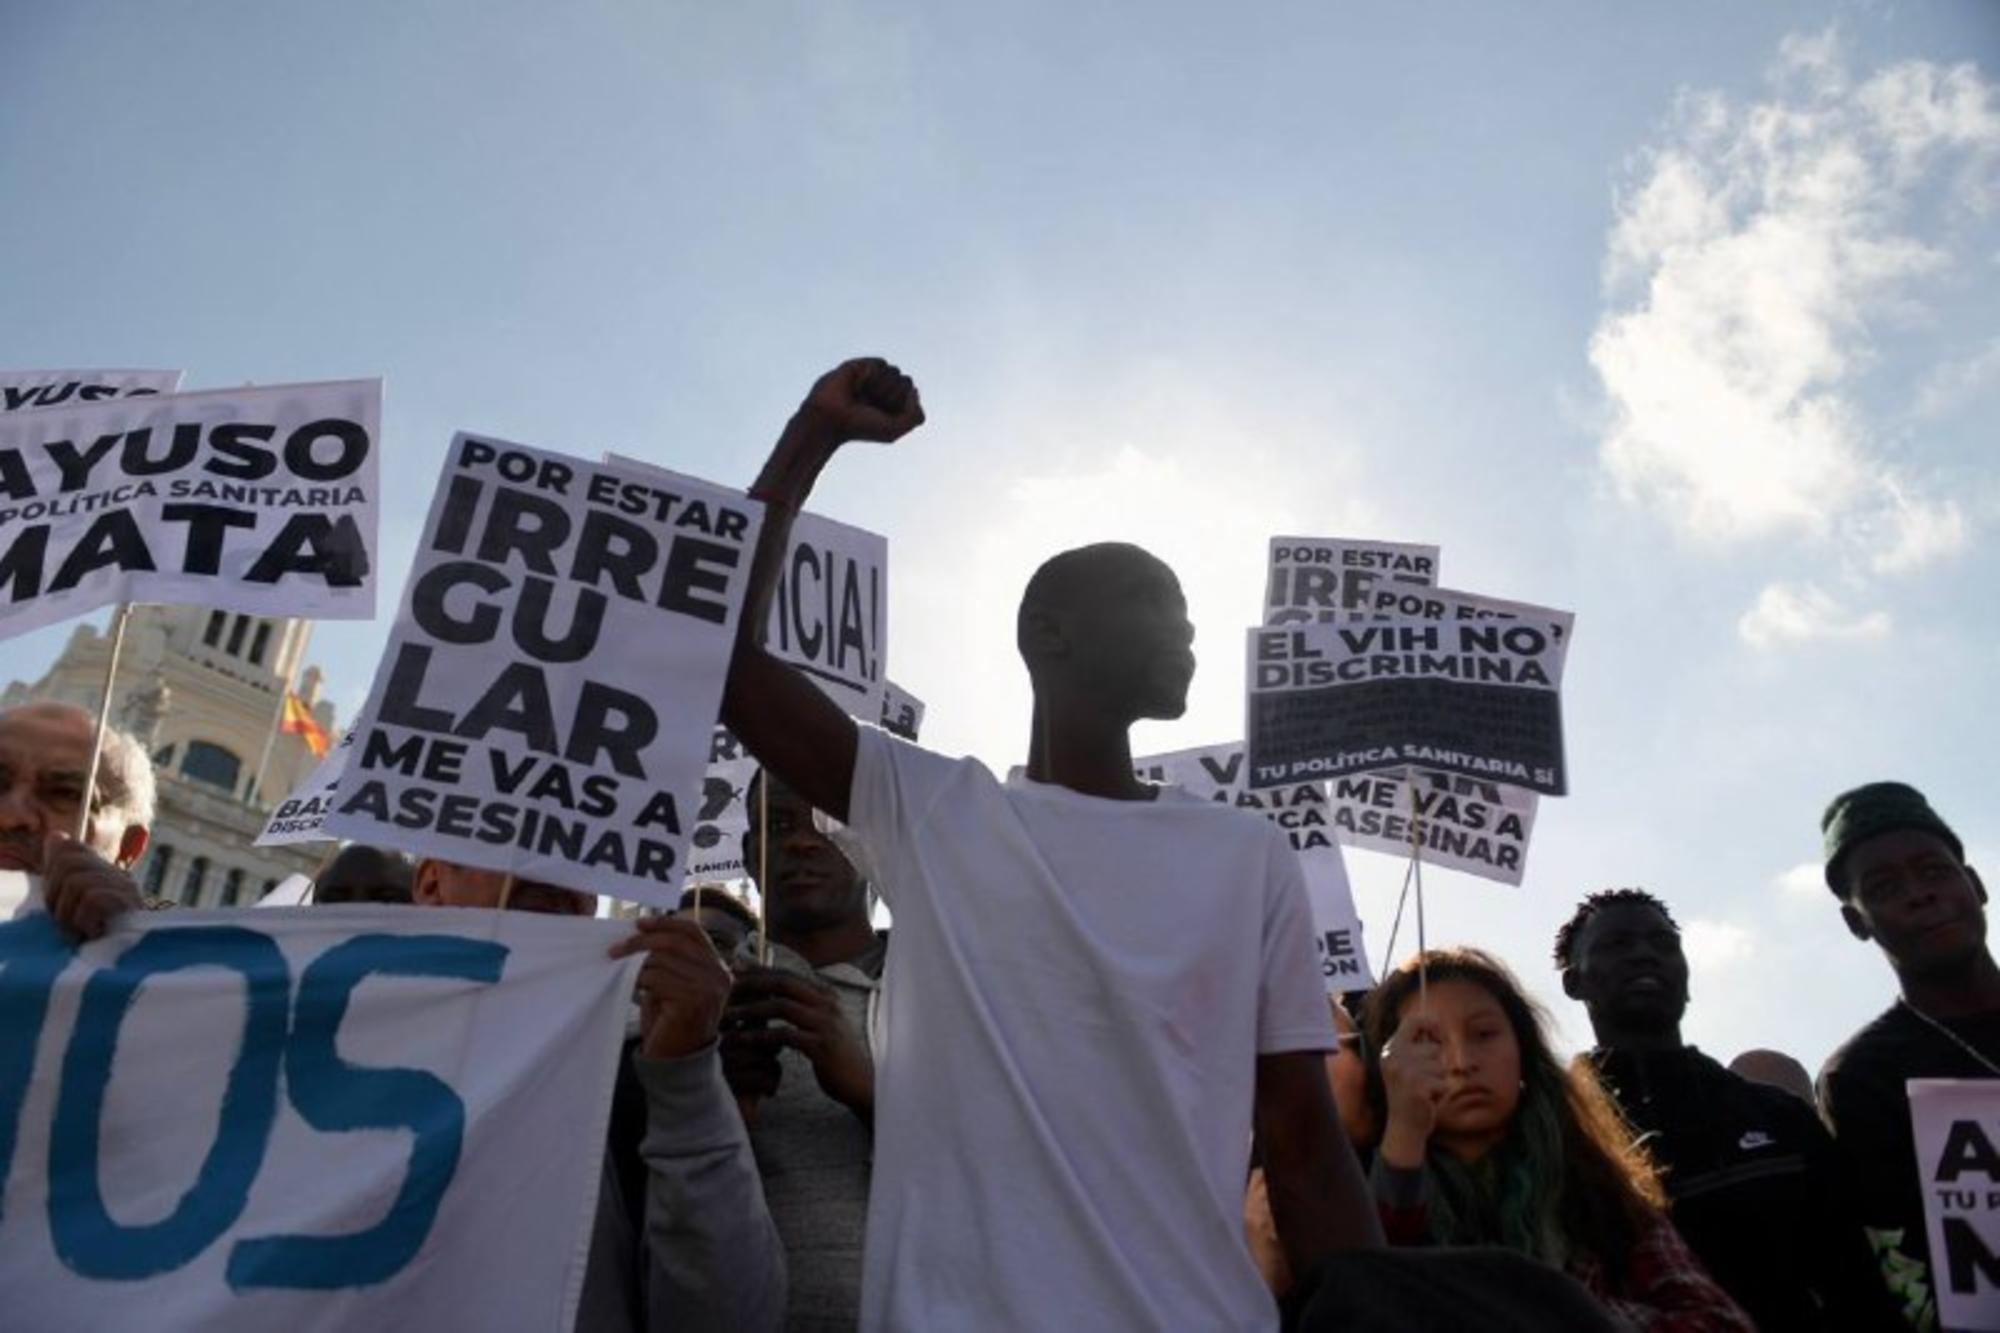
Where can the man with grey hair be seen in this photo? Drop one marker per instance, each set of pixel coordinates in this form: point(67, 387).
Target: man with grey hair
point(44, 764)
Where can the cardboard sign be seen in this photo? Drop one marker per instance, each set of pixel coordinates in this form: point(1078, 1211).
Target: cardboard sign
point(1472, 688)
point(26, 390)
point(1331, 580)
point(1957, 1124)
point(1468, 824)
point(545, 701)
point(1216, 773)
point(254, 500)
point(301, 817)
point(830, 617)
point(305, 1119)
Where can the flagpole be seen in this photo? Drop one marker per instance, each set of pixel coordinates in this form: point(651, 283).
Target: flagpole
point(278, 718)
point(118, 622)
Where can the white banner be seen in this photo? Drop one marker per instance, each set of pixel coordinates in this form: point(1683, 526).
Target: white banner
point(1468, 824)
point(25, 390)
point(545, 701)
point(1472, 688)
point(715, 846)
point(1957, 1124)
point(254, 500)
point(830, 617)
point(1216, 773)
point(902, 712)
point(301, 817)
point(308, 1119)
point(1331, 579)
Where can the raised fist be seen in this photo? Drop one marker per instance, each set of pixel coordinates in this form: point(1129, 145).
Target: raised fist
point(864, 399)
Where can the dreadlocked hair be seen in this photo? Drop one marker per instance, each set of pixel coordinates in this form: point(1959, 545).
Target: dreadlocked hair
point(1568, 1181)
point(1572, 929)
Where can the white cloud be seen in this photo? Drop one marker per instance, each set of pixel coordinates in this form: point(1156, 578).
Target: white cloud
point(1787, 613)
point(1712, 946)
point(1804, 880)
point(1754, 250)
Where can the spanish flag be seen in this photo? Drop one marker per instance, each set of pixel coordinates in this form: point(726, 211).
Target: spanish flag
point(299, 721)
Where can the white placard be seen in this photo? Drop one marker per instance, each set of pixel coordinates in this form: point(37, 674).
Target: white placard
point(305, 1119)
point(301, 817)
point(255, 500)
point(1467, 824)
point(28, 390)
point(1331, 579)
point(1957, 1126)
point(1216, 773)
point(830, 614)
point(546, 698)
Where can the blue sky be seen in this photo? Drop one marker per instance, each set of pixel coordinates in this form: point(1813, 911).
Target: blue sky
point(1678, 317)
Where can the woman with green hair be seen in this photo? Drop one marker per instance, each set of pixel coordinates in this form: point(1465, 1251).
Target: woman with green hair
point(1488, 1140)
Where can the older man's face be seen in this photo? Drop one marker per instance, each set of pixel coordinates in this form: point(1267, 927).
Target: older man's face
point(44, 757)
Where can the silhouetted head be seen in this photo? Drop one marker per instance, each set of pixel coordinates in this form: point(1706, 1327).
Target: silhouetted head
point(359, 873)
point(1105, 628)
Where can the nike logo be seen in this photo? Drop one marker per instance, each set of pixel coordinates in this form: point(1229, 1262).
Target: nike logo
point(1756, 1138)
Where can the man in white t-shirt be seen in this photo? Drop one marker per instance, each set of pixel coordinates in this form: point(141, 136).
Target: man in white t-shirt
point(1096, 987)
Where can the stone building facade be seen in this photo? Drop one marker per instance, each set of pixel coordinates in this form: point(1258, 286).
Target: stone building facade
point(202, 689)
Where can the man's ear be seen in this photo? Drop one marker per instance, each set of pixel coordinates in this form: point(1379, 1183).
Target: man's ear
point(1571, 986)
point(132, 845)
point(425, 890)
point(1857, 925)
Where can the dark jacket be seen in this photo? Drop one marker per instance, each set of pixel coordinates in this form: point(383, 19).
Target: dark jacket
point(1753, 1188)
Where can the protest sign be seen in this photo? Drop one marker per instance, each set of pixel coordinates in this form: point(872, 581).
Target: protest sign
point(254, 500)
point(1216, 773)
point(1957, 1126)
point(301, 817)
point(902, 712)
point(546, 697)
point(830, 615)
point(1472, 687)
point(1329, 580)
point(1468, 824)
point(25, 390)
point(305, 1119)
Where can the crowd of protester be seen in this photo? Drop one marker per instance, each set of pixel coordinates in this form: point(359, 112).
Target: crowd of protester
point(1091, 1078)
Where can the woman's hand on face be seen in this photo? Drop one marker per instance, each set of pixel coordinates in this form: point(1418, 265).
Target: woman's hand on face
point(1413, 1075)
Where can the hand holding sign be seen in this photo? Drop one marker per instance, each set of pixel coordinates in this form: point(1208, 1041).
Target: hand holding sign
point(682, 986)
point(1413, 1076)
point(863, 399)
point(83, 891)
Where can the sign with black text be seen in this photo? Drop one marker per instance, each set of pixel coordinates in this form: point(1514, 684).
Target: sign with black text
point(1957, 1125)
point(1216, 773)
point(301, 817)
point(830, 615)
point(1474, 689)
point(1329, 580)
point(25, 390)
point(546, 699)
point(1468, 824)
point(256, 500)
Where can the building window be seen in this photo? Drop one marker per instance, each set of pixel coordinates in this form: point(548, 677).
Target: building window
point(163, 757)
point(192, 883)
point(259, 641)
point(213, 634)
point(235, 648)
point(232, 887)
point(156, 870)
point(211, 764)
point(269, 884)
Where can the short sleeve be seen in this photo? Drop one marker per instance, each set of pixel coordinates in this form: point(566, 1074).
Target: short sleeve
point(1292, 1010)
point(894, 787)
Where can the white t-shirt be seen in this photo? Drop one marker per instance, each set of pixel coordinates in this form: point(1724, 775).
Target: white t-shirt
point(1077, 993)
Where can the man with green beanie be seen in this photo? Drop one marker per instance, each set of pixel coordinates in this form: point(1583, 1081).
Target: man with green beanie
point(1901, 877)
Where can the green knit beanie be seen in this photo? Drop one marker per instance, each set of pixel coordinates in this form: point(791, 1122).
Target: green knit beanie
point(1878, 807)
